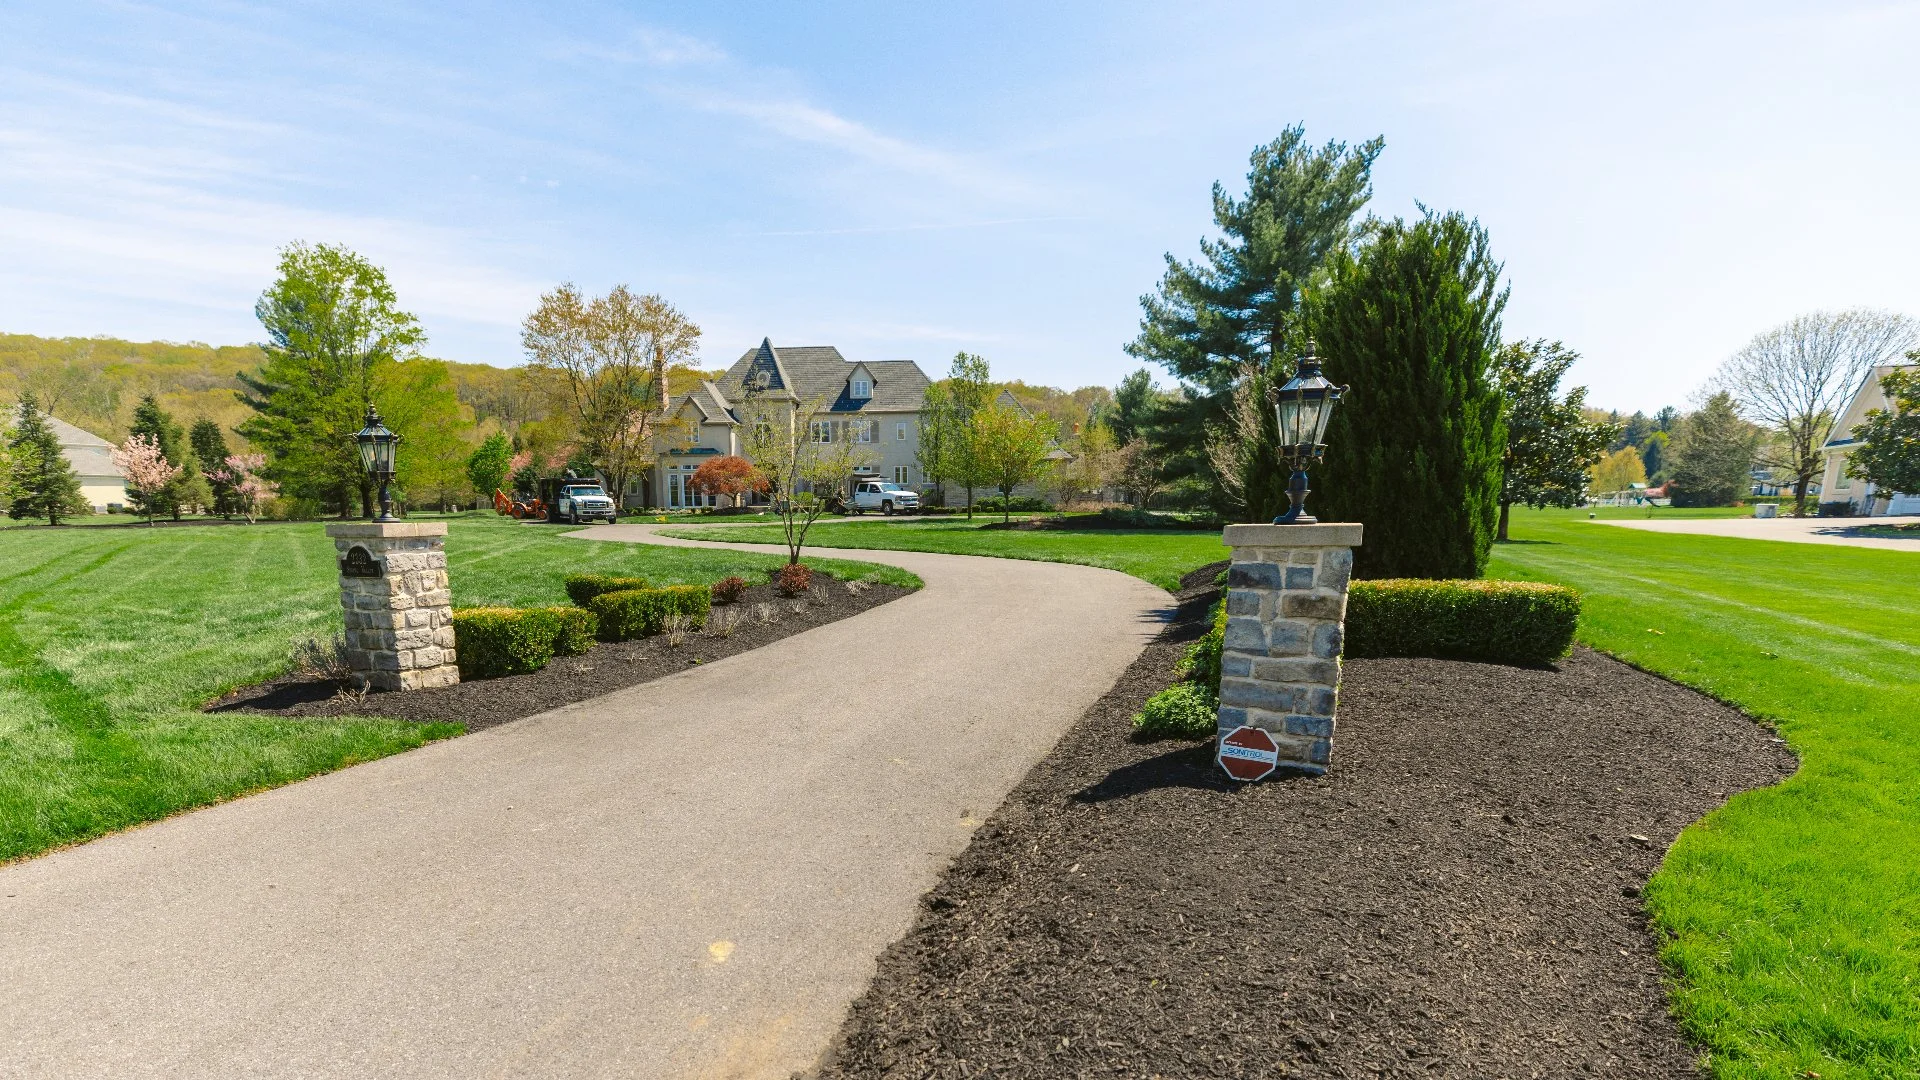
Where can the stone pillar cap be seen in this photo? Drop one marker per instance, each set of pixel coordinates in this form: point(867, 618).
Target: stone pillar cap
point(1325, 534)
point(361, 530)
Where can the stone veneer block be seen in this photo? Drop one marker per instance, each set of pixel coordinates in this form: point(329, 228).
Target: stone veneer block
point(1286, 608)
point(398, 610)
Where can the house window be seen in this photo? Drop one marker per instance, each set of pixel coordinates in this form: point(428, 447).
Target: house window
point(822, 431)
point(1844, 481)
point(900, 474)
point(862, 430)
point(899, 433)
point(862, 388)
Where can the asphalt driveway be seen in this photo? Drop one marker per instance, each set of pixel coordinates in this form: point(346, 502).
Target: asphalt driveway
point(690, 878)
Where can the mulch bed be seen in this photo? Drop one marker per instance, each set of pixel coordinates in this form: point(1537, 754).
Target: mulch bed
point(761, 617)
point(1458, 897)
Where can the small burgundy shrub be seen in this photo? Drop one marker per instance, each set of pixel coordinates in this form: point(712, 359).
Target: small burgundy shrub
point(793, 579)
point(729, 590)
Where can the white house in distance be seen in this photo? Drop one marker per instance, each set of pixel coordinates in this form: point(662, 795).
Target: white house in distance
point(102, 483)
point(1838, 486)
point(868, 401)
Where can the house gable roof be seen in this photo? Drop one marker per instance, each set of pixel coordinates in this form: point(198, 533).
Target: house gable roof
point(811, 371)
point(89, 454)
point(1866, 397)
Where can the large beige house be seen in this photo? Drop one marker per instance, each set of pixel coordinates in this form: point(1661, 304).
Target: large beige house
point(1836, 485)
point(876, 402)
point(102, 483)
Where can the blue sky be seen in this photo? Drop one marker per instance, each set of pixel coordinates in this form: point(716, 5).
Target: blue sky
point(1661, 180)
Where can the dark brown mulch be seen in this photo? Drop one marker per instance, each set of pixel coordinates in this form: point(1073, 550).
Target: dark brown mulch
point(1458, 897)
point(604, 668)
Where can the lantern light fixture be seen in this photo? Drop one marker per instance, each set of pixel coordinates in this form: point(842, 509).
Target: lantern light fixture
point(1302, 407)
point(377, 450)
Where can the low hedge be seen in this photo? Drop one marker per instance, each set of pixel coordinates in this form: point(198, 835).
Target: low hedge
point(578, 628)
point(1507, 622)
point(632, 613)
point(584, 587)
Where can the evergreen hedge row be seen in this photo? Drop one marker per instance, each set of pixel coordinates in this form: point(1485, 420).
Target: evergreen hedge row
point(1506, 622)
point(582, 588)
point(632, 613)
point(495, 641)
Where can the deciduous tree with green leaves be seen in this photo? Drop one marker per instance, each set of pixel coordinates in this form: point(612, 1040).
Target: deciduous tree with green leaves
point(1013, 448)
point(1551, 445)
point(1410, 319)
point(949, 451)
point(489, 465)
point(40, 480)
point(1888, 456)
point(1237, 306)
point(334, 327)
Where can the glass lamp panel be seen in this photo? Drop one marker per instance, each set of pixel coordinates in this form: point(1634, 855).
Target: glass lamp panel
point(1289, 418)
point(383, 454)
point(365, 439)
point(1317, 409)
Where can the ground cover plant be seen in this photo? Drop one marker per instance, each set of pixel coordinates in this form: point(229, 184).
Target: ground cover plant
point(111, 639)
point(1160, 556)
point(1792, 915)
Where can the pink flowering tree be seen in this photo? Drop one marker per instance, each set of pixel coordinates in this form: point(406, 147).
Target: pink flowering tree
point(147, 471)
point(242, 473)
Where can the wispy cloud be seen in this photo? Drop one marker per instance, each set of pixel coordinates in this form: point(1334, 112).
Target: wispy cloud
point(648, 45)
point(937, 227)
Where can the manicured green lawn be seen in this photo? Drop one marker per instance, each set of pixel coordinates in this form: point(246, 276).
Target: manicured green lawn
point(110, 640)
point(1156, 555)
point(1794, 912)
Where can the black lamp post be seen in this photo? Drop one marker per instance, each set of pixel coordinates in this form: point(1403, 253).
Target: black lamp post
point(376, 456)
point(1303, 407)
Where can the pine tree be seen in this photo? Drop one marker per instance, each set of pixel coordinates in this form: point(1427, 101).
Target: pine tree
point(40, 481)
point(1411, 320)
point(210, 452)
point(1711, 456)
point(1236, 308)
point(188, 487)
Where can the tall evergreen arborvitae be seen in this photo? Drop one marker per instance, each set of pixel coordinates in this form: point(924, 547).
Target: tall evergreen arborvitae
point(150, 420)
point(40, 480)
point(1411, 319)
point(1234, 310)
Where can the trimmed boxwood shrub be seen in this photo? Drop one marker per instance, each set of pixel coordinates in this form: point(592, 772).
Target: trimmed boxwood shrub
point(632, 613)
point(494, 641)
point(584, 587)
point(578, 628)
point(1507, 622)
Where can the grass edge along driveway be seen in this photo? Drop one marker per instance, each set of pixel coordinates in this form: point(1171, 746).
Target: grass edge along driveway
point(1158, 556)
point(111, 640)
point(1790, 917)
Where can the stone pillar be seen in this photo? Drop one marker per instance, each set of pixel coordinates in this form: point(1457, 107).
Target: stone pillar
point(399, 613)
point(1286, 615)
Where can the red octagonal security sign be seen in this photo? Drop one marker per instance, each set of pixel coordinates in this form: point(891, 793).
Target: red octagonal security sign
point(1248, 753)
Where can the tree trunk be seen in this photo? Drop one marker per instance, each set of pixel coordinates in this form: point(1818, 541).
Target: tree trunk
point(969, 502)
point(1006, 505)
point(1504, 507)
point(1800, 495)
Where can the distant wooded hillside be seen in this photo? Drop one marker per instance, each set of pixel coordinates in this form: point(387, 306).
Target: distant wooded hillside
point(94, 383)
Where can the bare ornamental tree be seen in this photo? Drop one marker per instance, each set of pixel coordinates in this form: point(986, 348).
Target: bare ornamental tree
point(1797, 377)
point(607, 359)
point(804, 457)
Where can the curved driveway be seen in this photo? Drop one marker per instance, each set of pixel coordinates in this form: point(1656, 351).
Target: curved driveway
point(687, 878)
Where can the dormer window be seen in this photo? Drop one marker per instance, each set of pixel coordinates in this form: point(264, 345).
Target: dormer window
point(862, 389)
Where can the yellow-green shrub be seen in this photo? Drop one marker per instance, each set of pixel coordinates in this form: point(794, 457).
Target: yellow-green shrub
point(584, 587)
point(632, 613)
point(1507, 622)
point(496, 641)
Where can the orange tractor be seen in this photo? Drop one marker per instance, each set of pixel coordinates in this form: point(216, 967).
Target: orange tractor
point(514, 508)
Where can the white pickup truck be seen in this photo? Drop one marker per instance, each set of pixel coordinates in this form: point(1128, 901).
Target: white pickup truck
point(884, 497)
